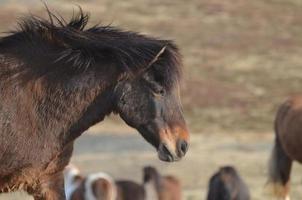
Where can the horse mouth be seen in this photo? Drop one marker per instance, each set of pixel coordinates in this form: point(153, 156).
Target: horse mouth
point(168, 149)
point(166, 154)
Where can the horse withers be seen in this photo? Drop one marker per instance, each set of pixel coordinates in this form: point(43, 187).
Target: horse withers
point(59, 78)
point(226, 184)
point(288, 141)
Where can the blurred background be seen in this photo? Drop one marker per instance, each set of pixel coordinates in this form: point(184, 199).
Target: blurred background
point(241, 60)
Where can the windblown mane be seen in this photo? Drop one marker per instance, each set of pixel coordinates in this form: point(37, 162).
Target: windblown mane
point(47, 46)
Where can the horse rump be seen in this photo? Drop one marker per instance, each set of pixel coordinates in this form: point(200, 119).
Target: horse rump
point(280, 163)
point(226, 184)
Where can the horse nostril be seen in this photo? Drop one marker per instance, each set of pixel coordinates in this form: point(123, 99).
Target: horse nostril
point(182, 147)
point(166, 152)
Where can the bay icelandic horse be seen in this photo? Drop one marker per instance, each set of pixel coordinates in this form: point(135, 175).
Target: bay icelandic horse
point(59, 78)
point(288, 142)
point(158, 187)
point(226, 184)
point(96, 186)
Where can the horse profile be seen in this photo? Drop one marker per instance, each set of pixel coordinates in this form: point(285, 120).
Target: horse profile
point(288, 141)
point(158, 187)
point(58, 78)
point(226, 184)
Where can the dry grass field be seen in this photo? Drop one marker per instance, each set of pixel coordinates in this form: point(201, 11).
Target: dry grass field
point(241, 60)
point(120, 152)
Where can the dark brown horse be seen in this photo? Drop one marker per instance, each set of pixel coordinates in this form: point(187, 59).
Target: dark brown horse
point(226, 184)
point(159, 187)
point(58, 78)
point(130, 190)
point(288, 142)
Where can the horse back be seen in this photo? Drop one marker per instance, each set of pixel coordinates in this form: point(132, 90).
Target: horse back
point(227, 184)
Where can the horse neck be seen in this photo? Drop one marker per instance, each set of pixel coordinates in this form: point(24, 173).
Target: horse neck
point(66, 102)
point(71, 107)
point(157, 181)
point(153, 187)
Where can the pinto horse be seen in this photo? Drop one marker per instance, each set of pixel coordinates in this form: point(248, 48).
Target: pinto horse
point(288, 141)
point(97, 186)
point(226, 184)
point(59, 78)
point(159, 187)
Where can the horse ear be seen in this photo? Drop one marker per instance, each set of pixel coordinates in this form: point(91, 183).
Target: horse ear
point(125, 76)
point(162, 50)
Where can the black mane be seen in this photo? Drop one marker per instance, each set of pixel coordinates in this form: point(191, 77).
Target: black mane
point(76, 48)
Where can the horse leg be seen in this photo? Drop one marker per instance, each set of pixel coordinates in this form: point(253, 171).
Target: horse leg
point(55, 188)
point(279, 171)
point(51, 188)
point(52, 185)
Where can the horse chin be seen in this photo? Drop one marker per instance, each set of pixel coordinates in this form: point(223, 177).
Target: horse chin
point(167, 158)
point(148, 136)
point(165, 153)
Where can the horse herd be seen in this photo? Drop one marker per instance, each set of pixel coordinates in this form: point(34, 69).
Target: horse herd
point(59, 78)
point(101, 186)
point(226, 184)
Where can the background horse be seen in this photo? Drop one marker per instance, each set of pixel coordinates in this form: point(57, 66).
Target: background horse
point(226, 184)
point(288, 142)
point(59, 78)
point(159, 187)
point(130, 190)
point(97, 186)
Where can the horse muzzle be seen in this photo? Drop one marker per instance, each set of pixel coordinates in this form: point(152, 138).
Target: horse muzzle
point(168, 153)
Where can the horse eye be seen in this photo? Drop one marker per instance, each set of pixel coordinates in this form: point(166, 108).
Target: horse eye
point(159, 92)
point(162, 92)
point(123, 101)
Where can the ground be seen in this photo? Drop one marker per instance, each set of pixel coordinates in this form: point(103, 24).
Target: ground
point(121, 152)
point(241, 60)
